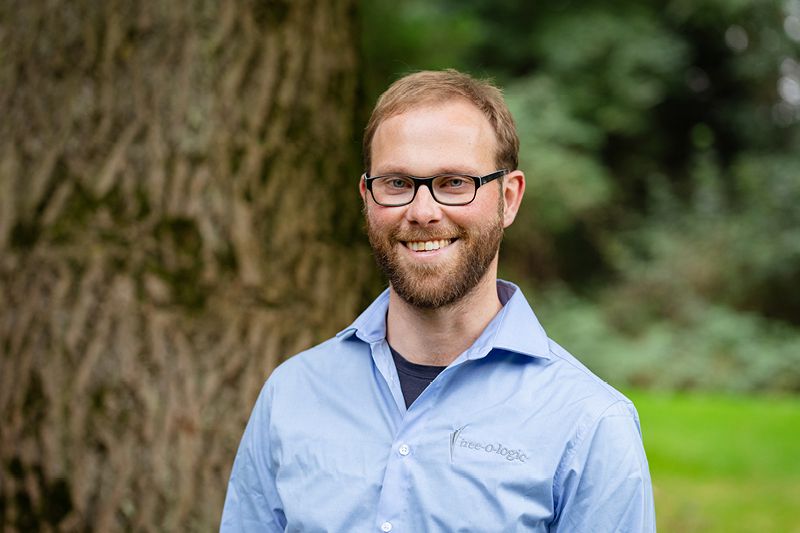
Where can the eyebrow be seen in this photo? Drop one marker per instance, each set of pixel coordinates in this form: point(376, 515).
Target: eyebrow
point(437, 171)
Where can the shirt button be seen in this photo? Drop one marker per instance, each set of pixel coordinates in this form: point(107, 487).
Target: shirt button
point(404, 450)
point(386, 527)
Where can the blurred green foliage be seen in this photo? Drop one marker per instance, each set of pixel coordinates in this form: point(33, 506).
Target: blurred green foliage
point(661, 141)
point(708, 348)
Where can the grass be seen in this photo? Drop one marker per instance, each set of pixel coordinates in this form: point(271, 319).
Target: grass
point(723, 464)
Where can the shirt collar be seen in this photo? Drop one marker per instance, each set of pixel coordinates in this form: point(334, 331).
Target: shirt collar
point(370, 326)
point(515, 328)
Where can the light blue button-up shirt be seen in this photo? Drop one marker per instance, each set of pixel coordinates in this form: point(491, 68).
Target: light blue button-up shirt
point(514, 435)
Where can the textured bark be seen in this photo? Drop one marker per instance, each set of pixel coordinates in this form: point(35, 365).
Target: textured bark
point(178, 213)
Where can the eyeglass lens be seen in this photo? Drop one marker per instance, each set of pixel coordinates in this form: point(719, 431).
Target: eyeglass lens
point(447, 189)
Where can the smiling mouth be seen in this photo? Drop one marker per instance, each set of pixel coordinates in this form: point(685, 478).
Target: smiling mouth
point(427, 246)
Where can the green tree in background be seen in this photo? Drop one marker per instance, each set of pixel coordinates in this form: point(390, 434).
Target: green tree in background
point(662, 149)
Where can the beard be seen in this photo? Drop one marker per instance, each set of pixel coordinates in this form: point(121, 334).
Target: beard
point(429, 286)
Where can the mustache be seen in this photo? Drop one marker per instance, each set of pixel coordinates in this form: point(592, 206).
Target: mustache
point(427, 235)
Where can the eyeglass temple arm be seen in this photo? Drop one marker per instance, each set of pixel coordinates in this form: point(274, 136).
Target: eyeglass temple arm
point(491, 177)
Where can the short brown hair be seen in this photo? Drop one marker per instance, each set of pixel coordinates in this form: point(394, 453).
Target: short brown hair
point(430, 86)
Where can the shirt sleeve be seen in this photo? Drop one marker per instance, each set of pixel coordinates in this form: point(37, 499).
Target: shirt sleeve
point(252, 502)
point(604, 483)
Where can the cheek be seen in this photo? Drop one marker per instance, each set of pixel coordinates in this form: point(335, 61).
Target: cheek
point(381, 224)
point(386, 216)
point(379, 219)
point(478, 213)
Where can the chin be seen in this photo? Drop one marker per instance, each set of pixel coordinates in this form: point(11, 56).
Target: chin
point(433, 292)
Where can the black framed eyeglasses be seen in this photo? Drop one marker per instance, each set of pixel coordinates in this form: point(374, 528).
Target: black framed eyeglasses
point(395, 190)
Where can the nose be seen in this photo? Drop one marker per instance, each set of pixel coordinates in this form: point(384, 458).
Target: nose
point(424, 210)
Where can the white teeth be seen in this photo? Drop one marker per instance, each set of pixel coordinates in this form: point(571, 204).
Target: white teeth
point(419, 246)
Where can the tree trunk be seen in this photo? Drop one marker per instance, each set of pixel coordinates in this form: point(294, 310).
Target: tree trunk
point(178, 213)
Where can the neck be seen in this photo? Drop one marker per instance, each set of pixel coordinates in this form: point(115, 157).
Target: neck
point(439, 336)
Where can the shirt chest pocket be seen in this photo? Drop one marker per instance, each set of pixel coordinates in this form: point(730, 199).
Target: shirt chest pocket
point(496, 486)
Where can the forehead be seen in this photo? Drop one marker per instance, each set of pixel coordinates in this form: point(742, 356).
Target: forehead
point(434, 137)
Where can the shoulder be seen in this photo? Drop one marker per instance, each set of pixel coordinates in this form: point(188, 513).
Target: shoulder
point(580, 377)
point(337, 358)
point(590, 398)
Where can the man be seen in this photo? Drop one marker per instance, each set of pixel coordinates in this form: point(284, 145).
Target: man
point(444, 406)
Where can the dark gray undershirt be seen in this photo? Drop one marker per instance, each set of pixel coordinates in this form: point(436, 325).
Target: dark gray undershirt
point(414, 378)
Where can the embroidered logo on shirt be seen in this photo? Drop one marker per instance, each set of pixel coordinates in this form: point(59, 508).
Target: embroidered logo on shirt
point(509, 454)
point(453, 438)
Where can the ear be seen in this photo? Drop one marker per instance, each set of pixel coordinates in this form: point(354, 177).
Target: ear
point(513, 189)
point(362, 188)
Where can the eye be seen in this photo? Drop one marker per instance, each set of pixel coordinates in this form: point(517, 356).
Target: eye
point(453, 182)
point(398, 183)
point(394, 184)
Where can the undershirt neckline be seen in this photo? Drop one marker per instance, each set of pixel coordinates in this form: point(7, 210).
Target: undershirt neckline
point(414, 378)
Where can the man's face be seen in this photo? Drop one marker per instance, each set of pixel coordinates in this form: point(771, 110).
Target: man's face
point(433, 139)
